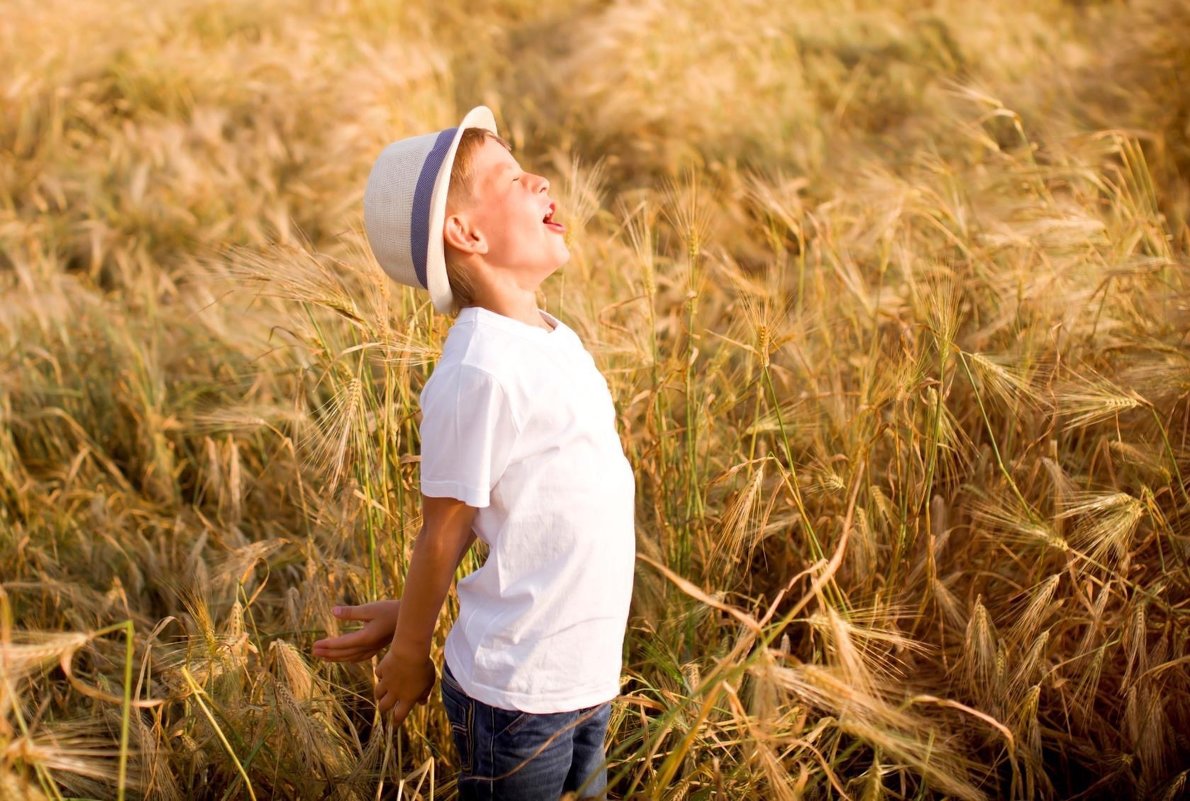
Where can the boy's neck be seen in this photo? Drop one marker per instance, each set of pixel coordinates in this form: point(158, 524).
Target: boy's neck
point(505, 290)
point(518, 306)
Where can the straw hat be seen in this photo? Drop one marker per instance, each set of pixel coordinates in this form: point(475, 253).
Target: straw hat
point(405, 205)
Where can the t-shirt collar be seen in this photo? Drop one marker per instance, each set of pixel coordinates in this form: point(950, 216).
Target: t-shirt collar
point(510, 324)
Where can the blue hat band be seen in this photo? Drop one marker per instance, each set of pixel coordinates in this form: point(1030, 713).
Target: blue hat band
point(423, 193)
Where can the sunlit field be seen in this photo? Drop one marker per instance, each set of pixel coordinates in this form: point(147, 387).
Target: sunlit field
point(893, 300)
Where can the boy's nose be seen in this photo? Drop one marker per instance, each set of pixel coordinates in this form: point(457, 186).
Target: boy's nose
point(544, 186)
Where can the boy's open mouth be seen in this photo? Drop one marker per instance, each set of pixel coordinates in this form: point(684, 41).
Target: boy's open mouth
point(548, 219)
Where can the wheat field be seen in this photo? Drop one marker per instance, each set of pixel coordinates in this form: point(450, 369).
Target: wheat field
point(892, 297)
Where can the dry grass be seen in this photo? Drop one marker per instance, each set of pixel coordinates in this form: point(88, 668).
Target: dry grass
point(892, 302)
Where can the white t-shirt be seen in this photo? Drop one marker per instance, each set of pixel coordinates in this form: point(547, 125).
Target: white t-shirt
point(518, 422)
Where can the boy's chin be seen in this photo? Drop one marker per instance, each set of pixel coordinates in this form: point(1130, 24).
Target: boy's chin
point(561, 258)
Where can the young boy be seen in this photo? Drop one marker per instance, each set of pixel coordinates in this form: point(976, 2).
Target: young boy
point(518, 448)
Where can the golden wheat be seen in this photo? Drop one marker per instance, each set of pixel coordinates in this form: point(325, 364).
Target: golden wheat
point(891, 300)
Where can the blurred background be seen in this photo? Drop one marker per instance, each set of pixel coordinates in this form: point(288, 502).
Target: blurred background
point(892, 299)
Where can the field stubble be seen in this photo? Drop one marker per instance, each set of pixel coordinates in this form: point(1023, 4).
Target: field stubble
point(892, 302)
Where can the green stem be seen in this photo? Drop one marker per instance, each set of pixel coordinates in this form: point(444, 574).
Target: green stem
point(815, 545)
point(797, 493)
point(126, 713)
point(1173, 459)
point(992, 438)
point(198, 693)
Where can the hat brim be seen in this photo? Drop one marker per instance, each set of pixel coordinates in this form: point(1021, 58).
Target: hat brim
point(436, 281)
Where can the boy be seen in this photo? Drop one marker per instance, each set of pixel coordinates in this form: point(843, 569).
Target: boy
point(518, 448)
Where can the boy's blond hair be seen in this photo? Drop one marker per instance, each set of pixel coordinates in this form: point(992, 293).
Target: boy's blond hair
point(461, 175)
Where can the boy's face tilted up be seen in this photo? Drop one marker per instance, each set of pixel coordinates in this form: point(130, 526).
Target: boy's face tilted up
point(506, 220)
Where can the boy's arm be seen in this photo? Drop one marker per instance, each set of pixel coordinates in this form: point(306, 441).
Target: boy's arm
point(405, 675)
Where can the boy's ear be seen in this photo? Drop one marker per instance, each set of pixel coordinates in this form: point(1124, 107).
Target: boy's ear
point(460, 234)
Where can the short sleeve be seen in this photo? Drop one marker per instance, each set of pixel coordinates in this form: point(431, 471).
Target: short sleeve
point(467, 435)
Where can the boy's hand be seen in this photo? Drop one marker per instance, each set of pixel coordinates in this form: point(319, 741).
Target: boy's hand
point(402, 682)
point(380, 621)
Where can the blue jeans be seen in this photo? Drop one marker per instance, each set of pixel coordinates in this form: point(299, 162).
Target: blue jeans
point(506, 755)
